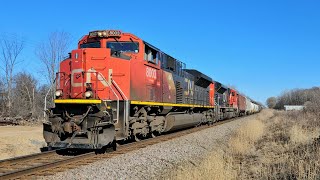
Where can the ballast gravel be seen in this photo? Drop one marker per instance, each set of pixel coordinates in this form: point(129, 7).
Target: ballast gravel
point(156, 161)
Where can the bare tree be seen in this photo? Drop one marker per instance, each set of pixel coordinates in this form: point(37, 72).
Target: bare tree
point(3, 96)
point(24, 94)
point(271, 102)
point(40, 96)
point(11, 48)
point(52, 52)
point(298, 97)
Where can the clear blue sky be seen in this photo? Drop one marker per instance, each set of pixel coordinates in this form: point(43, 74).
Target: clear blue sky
point(261, 47)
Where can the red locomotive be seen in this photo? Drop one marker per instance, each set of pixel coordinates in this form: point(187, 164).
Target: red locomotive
point(116, 87)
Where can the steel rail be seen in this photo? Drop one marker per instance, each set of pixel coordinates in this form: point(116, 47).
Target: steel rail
point(68, 162)
point(38, 168)
point(25, 158)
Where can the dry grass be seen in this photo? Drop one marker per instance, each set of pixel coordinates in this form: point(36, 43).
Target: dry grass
point(242, 142)
point(300, 135)
point(274, 145)
point(220, 164)
point(20, 140)
point(204, 170)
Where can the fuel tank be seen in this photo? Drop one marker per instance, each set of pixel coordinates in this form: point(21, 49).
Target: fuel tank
point(181, 121)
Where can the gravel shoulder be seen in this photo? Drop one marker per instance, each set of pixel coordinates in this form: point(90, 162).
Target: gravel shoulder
point(157, 161)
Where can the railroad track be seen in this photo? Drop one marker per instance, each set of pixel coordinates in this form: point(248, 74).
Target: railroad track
point(6, 123)
point(50, 162)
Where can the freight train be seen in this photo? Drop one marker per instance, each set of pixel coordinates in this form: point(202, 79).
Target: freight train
point(117, 87)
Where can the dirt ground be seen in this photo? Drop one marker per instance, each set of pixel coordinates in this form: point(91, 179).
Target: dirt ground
point(20, 140)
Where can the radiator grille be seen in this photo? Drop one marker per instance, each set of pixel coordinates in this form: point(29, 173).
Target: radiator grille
point(179, 93)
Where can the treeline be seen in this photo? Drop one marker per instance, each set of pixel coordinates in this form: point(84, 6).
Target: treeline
point(306, 97)
point(22, 96)
point(26, 98)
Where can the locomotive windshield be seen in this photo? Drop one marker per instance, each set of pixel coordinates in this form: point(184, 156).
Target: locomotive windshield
point(123, 46)
point(91, 45)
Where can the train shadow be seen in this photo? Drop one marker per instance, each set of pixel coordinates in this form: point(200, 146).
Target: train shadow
point(77, 152)
point(73, 152)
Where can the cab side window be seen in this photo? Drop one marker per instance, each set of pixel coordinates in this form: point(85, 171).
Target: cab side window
point(171, 64)
point(151, 55)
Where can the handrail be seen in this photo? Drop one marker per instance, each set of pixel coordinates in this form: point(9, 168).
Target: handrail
point(45, 98)
point(99, 77)
point(119, 89)
point(118, 99)
point(126, 105)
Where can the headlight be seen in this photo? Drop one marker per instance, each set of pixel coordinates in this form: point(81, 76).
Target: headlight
point(58, 93)
point(88, 94)
point(99, 34)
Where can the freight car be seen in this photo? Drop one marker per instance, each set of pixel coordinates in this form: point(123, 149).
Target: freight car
point(116, 87)
point(251, 107)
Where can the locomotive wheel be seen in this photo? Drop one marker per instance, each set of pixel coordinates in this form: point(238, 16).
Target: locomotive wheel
point(156, 133)
point(136, 139)
point(152, 135)
point(114, 145)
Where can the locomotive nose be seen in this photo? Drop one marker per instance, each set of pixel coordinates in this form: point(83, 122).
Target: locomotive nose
point(87, 74)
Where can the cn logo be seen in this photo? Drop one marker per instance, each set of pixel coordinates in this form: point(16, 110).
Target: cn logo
point(89, 73)
point(151, 73)
point(190, 87)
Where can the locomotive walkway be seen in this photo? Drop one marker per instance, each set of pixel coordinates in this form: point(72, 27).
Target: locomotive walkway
point(49, 163)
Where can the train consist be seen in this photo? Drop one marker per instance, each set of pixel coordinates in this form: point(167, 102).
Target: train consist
point(116, 87)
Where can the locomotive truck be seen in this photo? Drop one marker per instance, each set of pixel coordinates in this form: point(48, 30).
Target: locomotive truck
point(117, 87)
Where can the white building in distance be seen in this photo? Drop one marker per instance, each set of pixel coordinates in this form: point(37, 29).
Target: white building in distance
point(293, 108)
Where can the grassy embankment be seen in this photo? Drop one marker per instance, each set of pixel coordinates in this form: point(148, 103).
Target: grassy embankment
point(284, 146)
